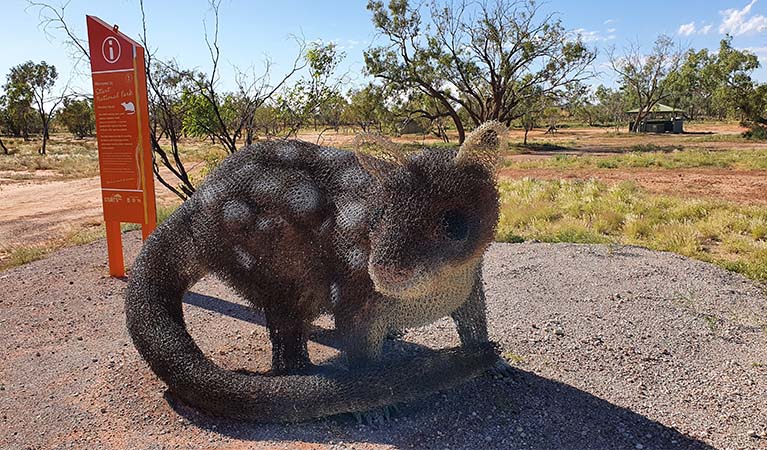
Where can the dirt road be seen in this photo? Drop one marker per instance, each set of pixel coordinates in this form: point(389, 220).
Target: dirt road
point(40, 212)
point(36, 213)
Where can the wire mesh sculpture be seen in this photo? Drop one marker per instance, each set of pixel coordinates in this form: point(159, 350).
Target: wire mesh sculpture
point(382, 242)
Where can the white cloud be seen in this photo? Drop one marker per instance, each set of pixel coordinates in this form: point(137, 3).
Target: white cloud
point(760, 52)
point(596, 36)
point(589, 36)
point(737, 21)
point(686, 29)
point(348, 44)
point(609, 21)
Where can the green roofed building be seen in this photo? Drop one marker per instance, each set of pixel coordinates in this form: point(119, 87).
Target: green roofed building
point(661, 119)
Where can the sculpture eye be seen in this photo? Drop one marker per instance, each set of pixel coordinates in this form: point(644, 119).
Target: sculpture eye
point(454, 225)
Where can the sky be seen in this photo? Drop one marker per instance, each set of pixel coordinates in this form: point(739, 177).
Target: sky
point(254, 31)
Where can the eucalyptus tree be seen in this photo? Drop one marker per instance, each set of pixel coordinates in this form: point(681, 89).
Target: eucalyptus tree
point(486, 58)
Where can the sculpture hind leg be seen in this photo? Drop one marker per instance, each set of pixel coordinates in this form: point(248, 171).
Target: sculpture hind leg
point(288, 332)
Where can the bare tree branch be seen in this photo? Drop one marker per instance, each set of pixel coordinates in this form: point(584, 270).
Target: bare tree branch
point(51, 17)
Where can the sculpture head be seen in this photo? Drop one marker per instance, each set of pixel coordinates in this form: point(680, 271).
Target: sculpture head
point(437, 212)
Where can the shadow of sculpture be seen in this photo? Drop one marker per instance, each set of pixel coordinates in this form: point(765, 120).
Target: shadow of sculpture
point(245, 313)
point(524, 411)
point(225, 307)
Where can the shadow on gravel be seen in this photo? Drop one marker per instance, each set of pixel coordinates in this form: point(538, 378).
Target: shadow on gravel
point(247, 314)
point(524, 411)
point(225, 307)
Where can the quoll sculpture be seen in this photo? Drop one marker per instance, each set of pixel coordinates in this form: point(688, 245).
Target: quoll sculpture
point(382, 243)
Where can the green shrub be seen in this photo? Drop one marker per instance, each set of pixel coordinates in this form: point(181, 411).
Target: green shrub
point(756, 132)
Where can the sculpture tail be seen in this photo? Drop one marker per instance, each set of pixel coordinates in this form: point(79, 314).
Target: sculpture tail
point(167, 267)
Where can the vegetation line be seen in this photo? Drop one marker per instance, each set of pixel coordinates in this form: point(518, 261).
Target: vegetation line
point(653, 158)
point(591, 212)
point(729, 235)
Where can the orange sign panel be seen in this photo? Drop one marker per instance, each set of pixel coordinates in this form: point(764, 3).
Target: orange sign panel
point(122, 131)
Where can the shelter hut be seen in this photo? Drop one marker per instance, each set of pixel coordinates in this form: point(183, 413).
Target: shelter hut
point(413, 126)
point(661, 119)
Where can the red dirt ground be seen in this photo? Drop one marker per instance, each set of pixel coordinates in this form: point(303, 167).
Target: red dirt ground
point(741, 186)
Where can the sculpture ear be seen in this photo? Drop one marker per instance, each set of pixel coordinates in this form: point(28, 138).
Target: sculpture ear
point(377, 155)
point(483, 145)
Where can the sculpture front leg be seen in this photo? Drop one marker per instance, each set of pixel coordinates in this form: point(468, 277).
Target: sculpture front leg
point(471, 321)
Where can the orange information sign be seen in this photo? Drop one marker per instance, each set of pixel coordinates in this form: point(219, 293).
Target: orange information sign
point(122, 131)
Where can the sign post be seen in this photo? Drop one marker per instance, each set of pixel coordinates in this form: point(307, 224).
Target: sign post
point(122, 132)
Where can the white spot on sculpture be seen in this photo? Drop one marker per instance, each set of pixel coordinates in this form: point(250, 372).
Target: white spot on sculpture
point(303, 198)
point(351, 215)
point(265, 224)
point(265, 188)
point(356, 258)
point(287, 152)
point(335, 293)
point(244, 258)
point(237, 213)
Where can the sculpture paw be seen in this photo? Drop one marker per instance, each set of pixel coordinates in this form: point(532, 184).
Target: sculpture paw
point(501, 369)
point(300, 369)
point(378, 416)
point(394, 335)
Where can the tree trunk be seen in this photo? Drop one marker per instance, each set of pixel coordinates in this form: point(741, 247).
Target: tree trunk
point(527, 130)
point(248, 136)
point(45, 139)
point(458, 127)
point(640, 117)
point(2, 145)
point(442, 133)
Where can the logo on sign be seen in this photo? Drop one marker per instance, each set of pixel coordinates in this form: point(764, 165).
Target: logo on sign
point(111, 50)
point(116, 198)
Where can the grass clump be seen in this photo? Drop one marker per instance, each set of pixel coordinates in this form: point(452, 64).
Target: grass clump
point(23, 255)
point(519, 148)
point(758, 133)
point(652, 148)
point(730, 235)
